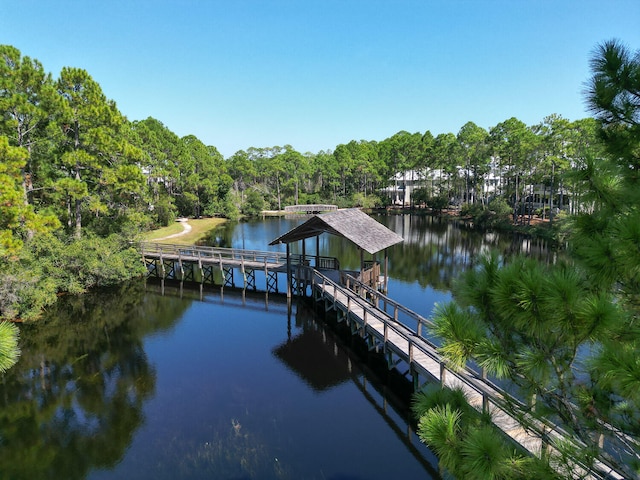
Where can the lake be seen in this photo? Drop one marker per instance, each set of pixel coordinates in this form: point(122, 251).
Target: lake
point(152, 381)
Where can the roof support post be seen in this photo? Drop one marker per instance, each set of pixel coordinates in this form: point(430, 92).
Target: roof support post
point(304, 251)
point(386, 271)
point(317, 251)
point(288, 271)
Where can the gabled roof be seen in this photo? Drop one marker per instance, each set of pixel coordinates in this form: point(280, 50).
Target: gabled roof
point(352, 224)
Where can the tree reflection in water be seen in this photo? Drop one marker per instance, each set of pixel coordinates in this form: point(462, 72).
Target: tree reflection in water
point(74, 400)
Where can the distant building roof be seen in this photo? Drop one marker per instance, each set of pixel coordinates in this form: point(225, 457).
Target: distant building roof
point(352, 224)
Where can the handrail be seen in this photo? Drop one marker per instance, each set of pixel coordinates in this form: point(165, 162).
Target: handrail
point(316, 207)
point(379, 297)
point(227, 253)
point(239, 254)
point(548, 432)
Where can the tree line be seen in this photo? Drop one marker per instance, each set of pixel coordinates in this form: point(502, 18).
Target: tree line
point(564, 336)
point(79, 180)
point(75, 164)
point(359, 172)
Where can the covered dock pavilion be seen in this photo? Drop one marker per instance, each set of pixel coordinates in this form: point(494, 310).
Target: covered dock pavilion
point(364, 232)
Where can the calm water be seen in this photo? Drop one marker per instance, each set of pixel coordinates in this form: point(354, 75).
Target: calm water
point(147, 382)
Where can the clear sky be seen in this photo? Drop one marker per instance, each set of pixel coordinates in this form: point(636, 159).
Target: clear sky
point(317, 73)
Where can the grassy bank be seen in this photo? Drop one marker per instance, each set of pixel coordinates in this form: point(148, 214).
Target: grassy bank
point(199, 229)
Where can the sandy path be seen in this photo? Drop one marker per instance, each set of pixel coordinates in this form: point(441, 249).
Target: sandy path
point(186, 228)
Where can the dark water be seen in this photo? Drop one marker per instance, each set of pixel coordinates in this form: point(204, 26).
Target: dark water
point(131, 383)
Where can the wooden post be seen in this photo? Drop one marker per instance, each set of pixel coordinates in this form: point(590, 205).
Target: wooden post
point(410, 351)
point(266, 277)
point(288, 271)
point(317, 251)
point(386, 271)
point(304, 252)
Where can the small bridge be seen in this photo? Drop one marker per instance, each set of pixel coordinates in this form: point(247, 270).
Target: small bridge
point(310, 209)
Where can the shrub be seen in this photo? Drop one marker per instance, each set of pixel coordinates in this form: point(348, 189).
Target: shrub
point(438, 203)
point(253, 203)
point(472, 210)
point(369, 201)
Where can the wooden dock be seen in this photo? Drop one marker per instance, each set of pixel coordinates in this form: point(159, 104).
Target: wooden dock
point(365, 311)
point(387, 327)
point(230, 266)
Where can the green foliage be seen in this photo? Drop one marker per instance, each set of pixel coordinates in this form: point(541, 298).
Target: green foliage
point(370, 201)
point(473, 210)
point(9, 349)
point(433, 396)
point(18, 219)
point(467, 444)
point(438, 203)
point(164, 211)
point(527, 322)
point(253, 204)
point(440, 428)
point(48, 266)
point(24, 290)
point(496, 215)
point(89, 262)
point(545, 327)
point(420, 196)
point(460, 332)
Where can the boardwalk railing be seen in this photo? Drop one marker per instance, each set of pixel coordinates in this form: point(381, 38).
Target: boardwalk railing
point(234, 255)
point(311, 208)
point(201, 264)
point(384, 331)
point(216, 253)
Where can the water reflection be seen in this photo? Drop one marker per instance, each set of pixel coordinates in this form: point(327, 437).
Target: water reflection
point(290, 414)
point(311, 356)
point(434, 252)
point(74, 400)
point(422, 269)
point(153, 381)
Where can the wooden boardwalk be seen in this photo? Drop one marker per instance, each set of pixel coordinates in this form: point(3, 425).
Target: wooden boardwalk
point(383, 323)
point(400, 344)
point(201, 263)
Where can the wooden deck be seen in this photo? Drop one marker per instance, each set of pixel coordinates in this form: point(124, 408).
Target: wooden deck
point(201, 263)
point(387, 327)
point(402, 345)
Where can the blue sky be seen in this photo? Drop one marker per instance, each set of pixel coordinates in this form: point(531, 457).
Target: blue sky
point(317, 73)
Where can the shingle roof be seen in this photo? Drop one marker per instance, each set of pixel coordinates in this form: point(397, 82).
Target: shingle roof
point(352, 224)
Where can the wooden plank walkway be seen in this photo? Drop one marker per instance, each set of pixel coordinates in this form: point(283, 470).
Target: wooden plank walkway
point(197, 263)
point(366, 310)
point(384, 332)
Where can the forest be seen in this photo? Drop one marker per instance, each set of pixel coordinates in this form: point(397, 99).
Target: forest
point(79, 182)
